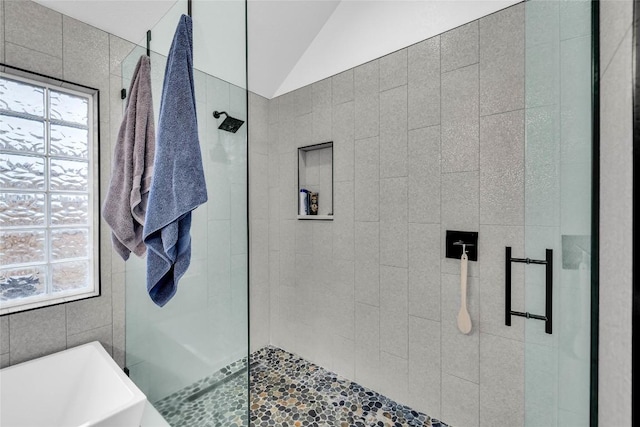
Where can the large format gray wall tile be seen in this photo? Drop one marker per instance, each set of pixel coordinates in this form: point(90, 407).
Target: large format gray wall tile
point(616, 213)
point(302, 101)
point(393, 222)
point(502, 169)
point(288, 185)
point(303, 130)
point(424, 366)
point(367, 179)
point(342, 87)
point(274, 296)
point(322, 113)
point(394, 328)
point(91, 313)
point(287, 253)
point(367, 352)
point(367, 262)
point(460, 211)
point(119, 309)
point(423, 169)
point(103, 334)
point(460, 401)
point(4, 334)
point(344, 357)
point(274, 107)
point(460, 47)
point(119, 49)
point(367, 102)
point(343, 289)
point(542, 179)
point(259, 250)
point(37, 333)
point(575, 19)
point(259, 185)
point(542, 23)
point(501, 381)
point(542, 83)
point(33, 26)
point(5, 360)
point(343, 221)
point(394, 372)
point(2, 31)
point(575, 119)
point(259, 129)
point(322, 240)
point(424, 83)
point(424, 271)
point(460, 120)
point(541, 386)
point(304, 237)
point(343, 141)
point(460, 351)
point(86, 53)
point(502, 61)
point(32, 60)
point(287, 120)
point(393, 132)
point(615, 21)
point(393, 70)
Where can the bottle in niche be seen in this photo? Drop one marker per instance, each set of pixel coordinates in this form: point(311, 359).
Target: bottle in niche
point(304, 202)
point(313, 203)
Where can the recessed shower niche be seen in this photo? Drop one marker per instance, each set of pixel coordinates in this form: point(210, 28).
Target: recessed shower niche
point(315, 182)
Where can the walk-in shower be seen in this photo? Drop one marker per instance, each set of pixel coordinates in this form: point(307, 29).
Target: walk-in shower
point(486, 128)
point(204, 328)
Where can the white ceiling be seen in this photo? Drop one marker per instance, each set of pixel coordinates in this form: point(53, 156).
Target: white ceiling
point(129, 19)
point(292, 43)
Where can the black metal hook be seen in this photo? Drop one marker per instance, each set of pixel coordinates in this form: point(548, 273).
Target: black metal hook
point(149, 43)
point(189, 8)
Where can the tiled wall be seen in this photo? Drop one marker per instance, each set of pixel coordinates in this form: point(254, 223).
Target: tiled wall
point(616, 213)
point(41, 40)
point(426, 139)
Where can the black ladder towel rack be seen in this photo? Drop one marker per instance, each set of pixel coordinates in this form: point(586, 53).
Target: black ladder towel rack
point(548, 263)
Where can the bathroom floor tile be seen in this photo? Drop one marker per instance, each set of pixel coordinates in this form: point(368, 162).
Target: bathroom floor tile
point(285, 390)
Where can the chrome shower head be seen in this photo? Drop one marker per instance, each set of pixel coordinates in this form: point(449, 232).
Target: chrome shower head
point(229, 124)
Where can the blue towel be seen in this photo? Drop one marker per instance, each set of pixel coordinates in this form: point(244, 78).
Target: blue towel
point(178, 185)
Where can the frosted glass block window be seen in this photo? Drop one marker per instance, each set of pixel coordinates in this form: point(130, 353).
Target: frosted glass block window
point(48, 193)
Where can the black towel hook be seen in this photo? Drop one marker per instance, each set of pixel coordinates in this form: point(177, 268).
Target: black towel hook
point(149, 43)
point(189, 8)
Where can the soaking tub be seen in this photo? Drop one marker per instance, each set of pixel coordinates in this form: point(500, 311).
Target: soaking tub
point(78, 387)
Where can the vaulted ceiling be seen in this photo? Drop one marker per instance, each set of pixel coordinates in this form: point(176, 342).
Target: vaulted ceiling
point(292, 43)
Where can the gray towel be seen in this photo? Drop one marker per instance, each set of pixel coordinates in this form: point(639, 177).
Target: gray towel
point(126, 202)
point(178, 185)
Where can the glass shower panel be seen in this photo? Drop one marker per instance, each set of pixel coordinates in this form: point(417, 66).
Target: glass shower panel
point(558, 209)
point(176, 354)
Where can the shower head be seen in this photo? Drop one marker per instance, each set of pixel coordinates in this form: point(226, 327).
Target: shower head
point(229, 124)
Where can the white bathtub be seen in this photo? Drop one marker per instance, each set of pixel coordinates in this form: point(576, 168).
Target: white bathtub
point(79, 387)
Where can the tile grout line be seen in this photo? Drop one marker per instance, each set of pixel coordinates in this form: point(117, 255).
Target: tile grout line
point(440, 227)
point(406, 159)
point(353, 133)
point(380, 374)
point(479, 220)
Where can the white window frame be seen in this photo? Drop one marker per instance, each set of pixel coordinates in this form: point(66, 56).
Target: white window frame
point(49, 298)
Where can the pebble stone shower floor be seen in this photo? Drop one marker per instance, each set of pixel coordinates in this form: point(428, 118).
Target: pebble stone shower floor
point(285, 391)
